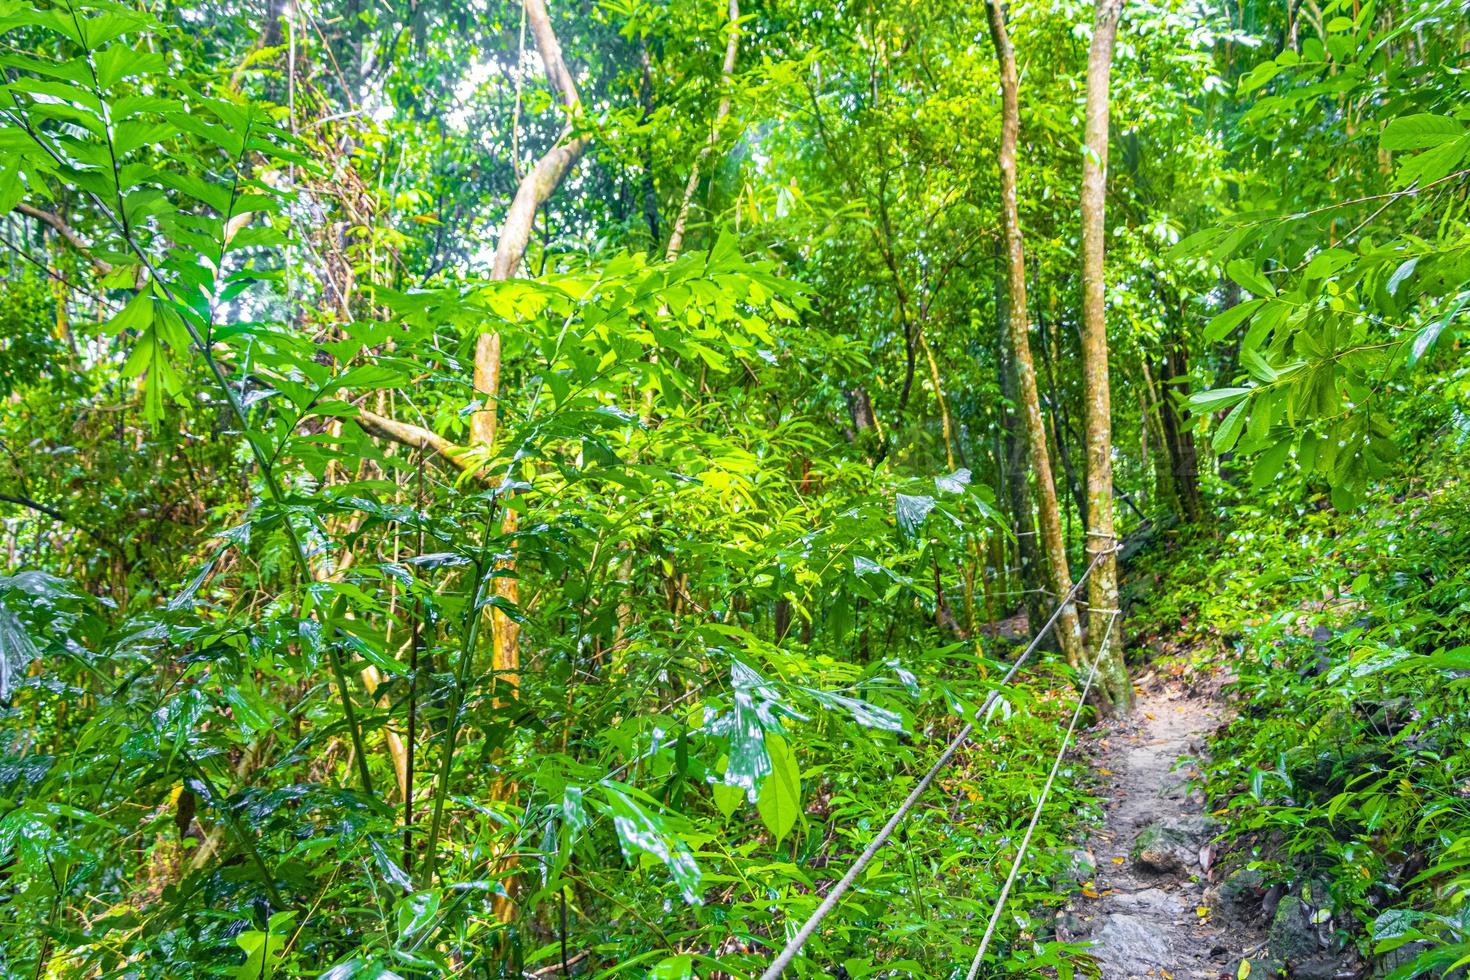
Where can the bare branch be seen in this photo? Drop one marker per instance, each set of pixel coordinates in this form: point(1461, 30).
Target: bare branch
point(413, 436)
point(59, 225)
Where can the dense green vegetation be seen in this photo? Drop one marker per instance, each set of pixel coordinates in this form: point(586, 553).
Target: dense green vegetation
point(492, 490)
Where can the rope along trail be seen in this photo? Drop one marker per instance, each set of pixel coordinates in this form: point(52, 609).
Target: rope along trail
point(1040, 802)
point(793, 946)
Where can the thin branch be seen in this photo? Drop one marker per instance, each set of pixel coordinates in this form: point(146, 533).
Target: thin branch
point(52, 512)
point(413, 436)
point(59, 225)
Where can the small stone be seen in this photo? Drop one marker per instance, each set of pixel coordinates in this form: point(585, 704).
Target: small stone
point(1173, 845)
point(1081, 864)
point(1237, 900)
point(1301, 931)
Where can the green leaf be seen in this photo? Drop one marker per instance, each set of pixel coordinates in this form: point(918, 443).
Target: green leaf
point(1259, 75)
point(911, 511)
point(1403, 272)
point(673, 968)
point(1269, 463)
point(1419, 131)
point(864, 713)
point(757, 711)
point(1245, 273)
point(727, 797)
point(779, 803)
point(1223, 323)
point(1426, 337)
point(1434, 164)
point(264, 950)
point(641, 831)
point(1327, 263)
point(17, 650)
point(1229, 430)
point(415, 912)
point(1215, 398)
point(955, 482)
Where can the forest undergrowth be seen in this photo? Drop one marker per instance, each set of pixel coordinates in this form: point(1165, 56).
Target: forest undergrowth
point(1341, 778)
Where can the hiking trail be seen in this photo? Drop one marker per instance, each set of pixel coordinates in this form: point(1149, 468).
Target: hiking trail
point(1145, 901)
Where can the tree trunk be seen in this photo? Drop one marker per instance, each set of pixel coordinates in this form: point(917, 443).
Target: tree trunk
point(535, 187)
point(1151, 411)
point(1104, 636)
point(1060, 427)
point(1069, 631)
point(1017, 494)
point(1178, 439)
point(538, 184)
point(727, 72)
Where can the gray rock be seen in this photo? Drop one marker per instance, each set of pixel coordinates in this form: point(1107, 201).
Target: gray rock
point(1263, 965)
point(1324, 966)
point(1151, 902)
point(1072, 927)
point(1302, 929)
point(1385, 963)
point(1237, 901)
point(1173, 845)
point(1081, 864)
point(1130, 946)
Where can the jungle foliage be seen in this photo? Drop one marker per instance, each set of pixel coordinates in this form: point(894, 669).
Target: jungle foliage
point(492, 490)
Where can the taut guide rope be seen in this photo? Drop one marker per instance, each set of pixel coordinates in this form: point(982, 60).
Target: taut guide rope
point(793, 946)
point(1005, 890)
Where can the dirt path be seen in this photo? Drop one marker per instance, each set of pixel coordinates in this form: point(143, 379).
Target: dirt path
point(1145, 909)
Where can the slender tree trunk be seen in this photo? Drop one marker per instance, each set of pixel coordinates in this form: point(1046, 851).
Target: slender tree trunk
point(1178, 439)
point(539, 183)
point(1152, 409)
point(1102, 588)
point(1013, 466)
point(1060, 427)
point(1069, 631)
point(946, 425)
point(727, 72)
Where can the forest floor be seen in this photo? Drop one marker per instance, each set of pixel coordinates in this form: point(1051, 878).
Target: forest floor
point(1145, 907)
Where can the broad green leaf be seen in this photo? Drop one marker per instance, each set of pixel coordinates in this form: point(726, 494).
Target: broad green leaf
point(642, 831)
point(1245, 273)
point(911, 511)
point(673, 968)
point(1419, 131)
point(416, 912)
point(779, 803)
point(1328, 263)
point(1229, 431)
point(864, 713)
point(1221, 324)
point(955, 482)
point(1216, 398)
point(17, 650)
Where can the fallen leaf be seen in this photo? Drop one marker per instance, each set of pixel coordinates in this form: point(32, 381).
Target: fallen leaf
point(1090, 892)
point(1244, 971)
point(1105, 772)
point(1119, 860)
point(1203, 911)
